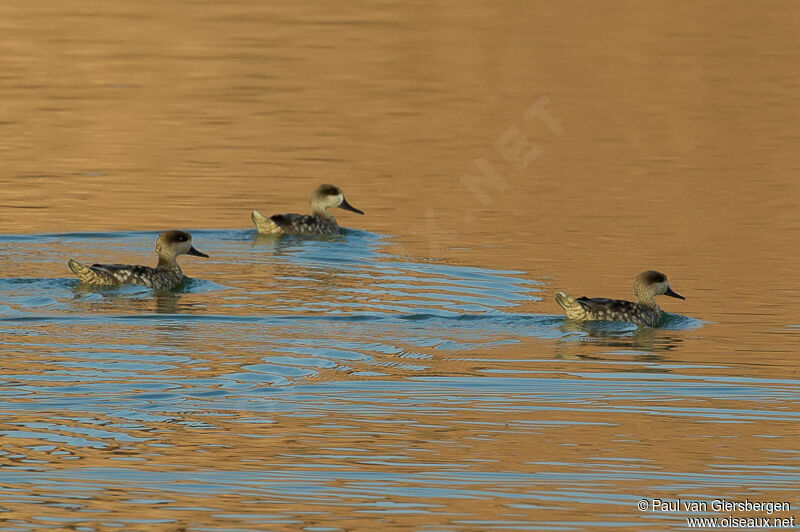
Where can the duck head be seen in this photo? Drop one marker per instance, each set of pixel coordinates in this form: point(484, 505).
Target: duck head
point(170, 244)
point(651, 283)
point(327, 196)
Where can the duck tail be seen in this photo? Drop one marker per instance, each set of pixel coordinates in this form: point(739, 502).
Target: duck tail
point(572, 308)
point(85, 273)
point(264, 225)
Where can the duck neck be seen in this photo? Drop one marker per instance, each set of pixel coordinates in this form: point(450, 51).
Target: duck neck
point(167, 263)
point(322, 212)
point(647, 301)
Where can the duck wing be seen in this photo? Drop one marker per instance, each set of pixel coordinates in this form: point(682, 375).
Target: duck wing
point(124, 273)
point(608, 309)
point(304, 224)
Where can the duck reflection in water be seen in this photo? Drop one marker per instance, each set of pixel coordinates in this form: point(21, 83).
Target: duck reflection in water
point(131, 299)
point(624, 336)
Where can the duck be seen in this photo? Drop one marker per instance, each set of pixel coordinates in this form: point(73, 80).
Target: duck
point(644, 311)
point(319, 222)
point(166, 275)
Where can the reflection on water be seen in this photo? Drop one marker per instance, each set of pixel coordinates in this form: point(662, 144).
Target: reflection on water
point(335, 371)
point(666, 337)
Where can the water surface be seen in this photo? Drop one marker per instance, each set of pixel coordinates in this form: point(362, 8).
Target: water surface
point(416, 371)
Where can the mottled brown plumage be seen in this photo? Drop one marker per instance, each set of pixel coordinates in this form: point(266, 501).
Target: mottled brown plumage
point(166, 275)
point(644, 311)
point(319, 222)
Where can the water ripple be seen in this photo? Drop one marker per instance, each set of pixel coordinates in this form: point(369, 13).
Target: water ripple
point(292, 370)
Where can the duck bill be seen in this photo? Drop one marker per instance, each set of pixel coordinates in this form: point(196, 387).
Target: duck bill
point(196, 253)
point(671, 293)
point(346, 206)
